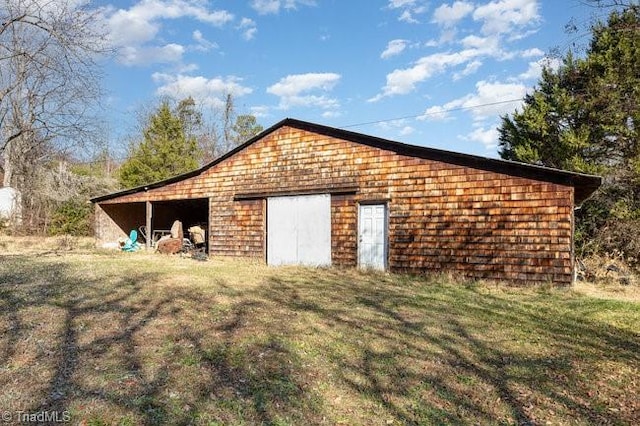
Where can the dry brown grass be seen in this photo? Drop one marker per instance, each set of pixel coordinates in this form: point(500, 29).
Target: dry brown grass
point(138, 338)
point(608, 277)
point(44, 245)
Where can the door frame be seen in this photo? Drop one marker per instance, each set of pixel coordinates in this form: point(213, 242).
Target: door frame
point(385, 204)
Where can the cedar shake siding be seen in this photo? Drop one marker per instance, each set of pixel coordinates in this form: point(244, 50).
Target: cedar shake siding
point(483, 218)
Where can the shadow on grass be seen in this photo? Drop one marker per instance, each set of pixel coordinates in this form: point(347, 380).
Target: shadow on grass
point(442, 354)
point(72, 300)
point(121, 350)
point(301, 347)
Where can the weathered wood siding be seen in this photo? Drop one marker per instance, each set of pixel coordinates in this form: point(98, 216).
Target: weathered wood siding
point(442, 217)
point(114, 221)
point(344, 229)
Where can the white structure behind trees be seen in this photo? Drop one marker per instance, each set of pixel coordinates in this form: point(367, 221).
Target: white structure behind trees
point(10, 205)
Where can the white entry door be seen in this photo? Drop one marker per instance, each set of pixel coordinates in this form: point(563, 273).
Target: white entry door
point(299, 230)
point(372, 236)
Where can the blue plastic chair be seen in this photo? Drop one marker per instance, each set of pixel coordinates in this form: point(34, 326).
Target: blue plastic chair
point(132, 242)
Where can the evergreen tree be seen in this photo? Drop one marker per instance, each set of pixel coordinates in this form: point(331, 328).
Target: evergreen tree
point(585, 117)
point(165, 151)
point(553, 129)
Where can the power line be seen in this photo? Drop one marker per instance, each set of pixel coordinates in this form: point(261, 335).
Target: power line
point(118, 159)
point(442, 111)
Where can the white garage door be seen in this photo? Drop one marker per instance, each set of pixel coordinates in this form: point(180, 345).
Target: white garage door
point(299, 230)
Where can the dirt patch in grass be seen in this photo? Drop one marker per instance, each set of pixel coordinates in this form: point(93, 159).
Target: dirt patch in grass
point(137, 338)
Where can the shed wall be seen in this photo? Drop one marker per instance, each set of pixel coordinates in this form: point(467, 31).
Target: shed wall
point(114, 221)
point(442, 217)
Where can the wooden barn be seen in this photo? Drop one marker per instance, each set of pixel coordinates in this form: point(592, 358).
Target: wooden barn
point(303, 193)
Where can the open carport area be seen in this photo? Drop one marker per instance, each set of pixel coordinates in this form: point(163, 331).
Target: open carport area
point(152, 219)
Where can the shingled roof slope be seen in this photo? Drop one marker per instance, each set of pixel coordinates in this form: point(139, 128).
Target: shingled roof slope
point(585, 185)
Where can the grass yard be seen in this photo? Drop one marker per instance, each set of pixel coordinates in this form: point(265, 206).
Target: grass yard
point(135, 338)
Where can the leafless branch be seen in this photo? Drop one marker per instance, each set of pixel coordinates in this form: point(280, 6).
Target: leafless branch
point(49, 77)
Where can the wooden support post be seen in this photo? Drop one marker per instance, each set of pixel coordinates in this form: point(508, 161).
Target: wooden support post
point(148, 224)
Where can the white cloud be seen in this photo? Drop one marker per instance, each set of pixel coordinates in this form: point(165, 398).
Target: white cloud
point(394, 47)
point(250, 33)
point(535, 68)
point(208, 91)
point(321, 101)
point(469, 69)
point(552, 63)
point(533, 72)
point(407, 17)
point(185, 68)
point(447, 16)
point(498, 18)
point(407, 130)
point(484, 43)
point(436, 113)
point(503, 16)
point(292, 85)
point(447, 36)
point(248, 28)
point(331, 114)
point(131, 29)
point(197, 36)
point(141, 22)
point(294, 90)
point(396, 4)
point(532, 53)
point(169, 53)
point(265, 7)
point(126, 27)
point(396, 129)
point(491, 99)
point(488, 137)
point(499, 21)
point(202, 43)
point(403, 81)
point(522, 34)
point(410, 9)
point(260, 111)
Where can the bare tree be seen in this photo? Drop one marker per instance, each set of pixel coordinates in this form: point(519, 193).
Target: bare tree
point(216, 128)
point(610, 3)
point(228, 117)
point(224, 129)
point(49, 79)
point(215, 136)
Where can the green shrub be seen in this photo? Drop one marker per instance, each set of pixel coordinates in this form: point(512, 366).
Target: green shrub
point(72, 217)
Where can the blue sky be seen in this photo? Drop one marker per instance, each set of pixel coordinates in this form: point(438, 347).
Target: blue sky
point(413, 71)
